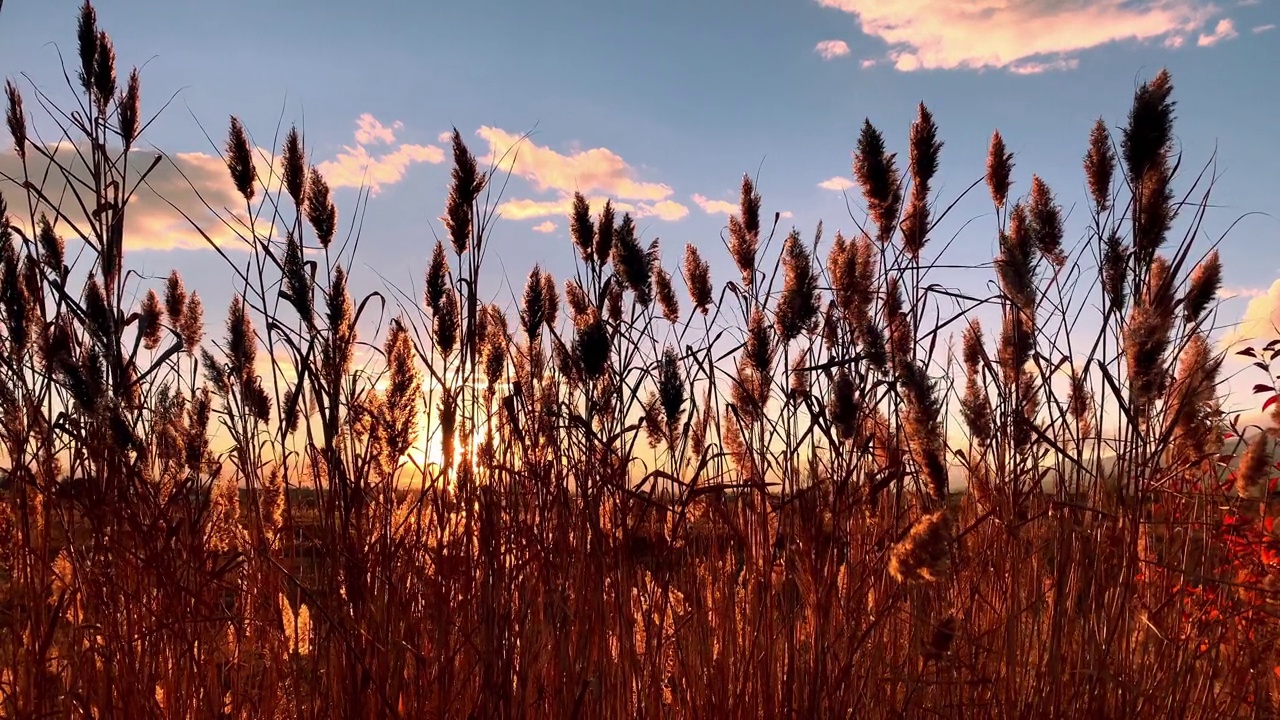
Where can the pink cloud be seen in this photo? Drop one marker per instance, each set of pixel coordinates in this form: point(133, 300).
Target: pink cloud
point(832, 49)
point(597, 172)
point(1032, 67)
point(369, 131)
point(1264, 28)
point(945, 34)
point(1225, 30)
point(546, 226)
point(356, 167)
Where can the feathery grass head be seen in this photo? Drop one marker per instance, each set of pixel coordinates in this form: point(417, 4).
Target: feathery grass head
point(149, 327)
point(1254, 467)
point(634, 266)
point(445, 324)
point(744, 232)
point(671, 390)
point(925, 148)
point(591, 344)
point(87, 37)
point(294, 162)
point(1206, 281)
point(697, 278)
point(666, 295)
point(1099, 166)
point(1148, 138)
point(760, 348)
point(129, 109)
point(297, 281)
point(532, 313)
point(1115, 271)
point(798, 307)
point(52, 247)
point(877, 175)
point(16, 116)
point(843, 405)
point(191, 327)
point(924, 555)
point(321, 212)
point(240, 160)
point(104, 72)
point(999, 170)
point(437, 278)
point(464, 188)
point(582, 228)
point(576, 297)
point(606, 228)
point(1046, 222)
point(241, 339)
point(550, 300)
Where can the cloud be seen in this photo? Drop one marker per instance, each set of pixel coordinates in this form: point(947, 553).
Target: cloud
point(1032, 67)
point(832, 49)
point(787, 214)
point(369, 131)
point(596, 173)
point(545, 226)
point(1264, 28)
point(868, 63)
point(837, 183)
point(445, 137)
point(356, 167)
point(1173, 42)
point(1260, 322)
point(190, 182)
point(715, 207)
point(945, 34)
point(1225, 30)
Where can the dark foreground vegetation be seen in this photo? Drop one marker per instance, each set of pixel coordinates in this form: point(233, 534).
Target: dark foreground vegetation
point(642, 495)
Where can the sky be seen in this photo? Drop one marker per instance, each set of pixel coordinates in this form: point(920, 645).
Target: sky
point(664, 104)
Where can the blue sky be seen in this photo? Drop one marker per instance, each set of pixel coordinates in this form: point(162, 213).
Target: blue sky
point(675, 99)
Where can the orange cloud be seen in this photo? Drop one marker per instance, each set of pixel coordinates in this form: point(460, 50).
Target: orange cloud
point(596, 171)
point(837, 183)
point(715, 207)
point(945, 34)
point(369, 131)
point(196, 184)
point(545, 226)
point(1225, 30)
point(832, 49)
point(1260, 322)
point(356, 167)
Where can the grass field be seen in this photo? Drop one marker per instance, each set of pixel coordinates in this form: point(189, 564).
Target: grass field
point(640, 491)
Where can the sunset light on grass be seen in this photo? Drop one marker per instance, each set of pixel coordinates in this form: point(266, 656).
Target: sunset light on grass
point(802, 359)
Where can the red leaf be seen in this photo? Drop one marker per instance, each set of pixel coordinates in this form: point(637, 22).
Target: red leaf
point(1269, 402)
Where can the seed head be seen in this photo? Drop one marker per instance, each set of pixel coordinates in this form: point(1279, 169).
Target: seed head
point(1046, 222)
point(582, 229)
point(52, 247)
point(149, 321)
point(666, 295)
point(467, 182)
point(697, 277)
point(1099, 166)
point(104, 72)
point(295, 167)
point(129, 109)
point(321, 212)
point(191, 327)
point(924, 555)
point(999, 170)
point(240, 160)
point(877, 175)
point(87, 37)
point(798, 307)
point(744, 232)
point(605, 231)
point(1148, 138)
point(843, 405)
point(1206, 280)
point(437, 278)
point(17, 118)
point(634, 267)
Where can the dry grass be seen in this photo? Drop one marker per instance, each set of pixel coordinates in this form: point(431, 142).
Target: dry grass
point(737, 511)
